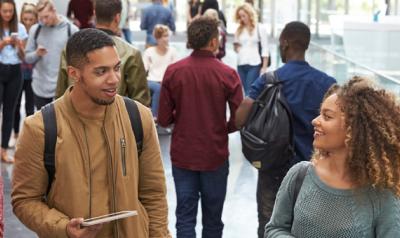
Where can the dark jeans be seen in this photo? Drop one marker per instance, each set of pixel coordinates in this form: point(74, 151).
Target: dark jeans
point(248, 74)
point(29, 105)
point(267, 187)
point(41, 102)
point(10, 87)
point(210, 186)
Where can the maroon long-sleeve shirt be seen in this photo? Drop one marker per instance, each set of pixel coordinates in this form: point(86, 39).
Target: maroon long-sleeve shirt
point(194, 96)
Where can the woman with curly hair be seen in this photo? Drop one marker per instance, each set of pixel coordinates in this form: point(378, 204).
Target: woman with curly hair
point(251, 46)
point(351, 187)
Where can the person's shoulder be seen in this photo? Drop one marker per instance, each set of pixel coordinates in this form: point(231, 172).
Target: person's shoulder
point(34, 122)
point(125, 48)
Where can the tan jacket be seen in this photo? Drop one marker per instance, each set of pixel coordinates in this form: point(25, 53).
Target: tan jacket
point(142, 188)
point(133, 83)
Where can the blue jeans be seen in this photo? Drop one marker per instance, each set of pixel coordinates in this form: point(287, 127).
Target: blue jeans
point(190, 186)
point(155, 88)
point(248, 74)
point(127, 35)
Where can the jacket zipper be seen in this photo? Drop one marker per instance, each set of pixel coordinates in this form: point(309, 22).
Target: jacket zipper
point(123, 158)
point(90, 172)
point(113, 174)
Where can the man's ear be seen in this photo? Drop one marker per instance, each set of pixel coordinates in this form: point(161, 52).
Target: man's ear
point(117, 18)
point(74, 73)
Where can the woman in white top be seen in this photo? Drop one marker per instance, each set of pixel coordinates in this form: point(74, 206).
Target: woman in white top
point(248, 36)
point(156, 60)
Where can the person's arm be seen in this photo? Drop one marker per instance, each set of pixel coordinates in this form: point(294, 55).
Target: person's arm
point(388, 221)
point(245, 107)
point(63, 81)
point(264, 47)
point(31, 54)
point(236, 43)
point(243, 112)
point(143, 20)
point(146, 60)
point(235, 97)
point(135, 77)
point(152, 186)
point(29, 184)
point(171, 22)
point(166, 107)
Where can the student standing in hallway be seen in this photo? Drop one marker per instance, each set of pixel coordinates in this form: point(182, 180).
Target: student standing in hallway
point(194, 95)
point(98, 168)
point(45, 43)
point(12, 40)
point(303, 87)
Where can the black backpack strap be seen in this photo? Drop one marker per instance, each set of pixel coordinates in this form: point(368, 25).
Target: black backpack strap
point(298, 183)
point(69, 29)
point(50, 139)
point(136, 122)
point(36, 35)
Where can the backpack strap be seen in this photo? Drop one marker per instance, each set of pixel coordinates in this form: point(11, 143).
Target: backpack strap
point(136, 123)
point(40, 28)
point(50, 135)
point(298, 183)
point(69, 29)
point(50, 139)
point(36, 35)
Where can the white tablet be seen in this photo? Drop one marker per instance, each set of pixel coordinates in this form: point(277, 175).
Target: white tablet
point(108, 218)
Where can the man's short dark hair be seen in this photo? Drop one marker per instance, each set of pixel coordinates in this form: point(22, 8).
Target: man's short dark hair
point(201, 31)
point(106, 10)
point(83, 42)
point(298, 34)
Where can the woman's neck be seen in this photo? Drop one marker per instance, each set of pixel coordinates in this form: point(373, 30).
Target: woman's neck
point(162, 50)
point(332, 169)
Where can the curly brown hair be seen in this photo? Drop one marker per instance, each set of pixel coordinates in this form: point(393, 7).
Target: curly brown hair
point(201, 31)
point(372, 118)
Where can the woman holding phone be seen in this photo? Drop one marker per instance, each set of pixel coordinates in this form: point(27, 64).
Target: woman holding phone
point(12, 38)
point(351, 188)
point(28, 19)
point(251, 46)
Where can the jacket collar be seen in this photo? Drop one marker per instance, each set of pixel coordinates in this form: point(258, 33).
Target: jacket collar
point(71, 112)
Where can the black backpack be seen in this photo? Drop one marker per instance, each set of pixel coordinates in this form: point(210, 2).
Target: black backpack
point(50, 134)
point(267, 136)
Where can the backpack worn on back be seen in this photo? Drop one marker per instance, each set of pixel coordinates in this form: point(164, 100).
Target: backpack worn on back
point(50, 134)
point(267, 136)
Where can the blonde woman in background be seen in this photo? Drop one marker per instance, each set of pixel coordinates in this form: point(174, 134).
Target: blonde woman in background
point(156, 60)
point(246, 44)
point(28, 18)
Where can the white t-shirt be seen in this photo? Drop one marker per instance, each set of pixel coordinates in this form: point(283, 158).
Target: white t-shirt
point(248, 52)
point(157, 64)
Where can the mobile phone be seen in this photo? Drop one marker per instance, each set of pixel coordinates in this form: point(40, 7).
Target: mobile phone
point(108, 218)
point(14, 34)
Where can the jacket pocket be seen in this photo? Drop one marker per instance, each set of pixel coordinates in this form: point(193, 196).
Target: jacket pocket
point(123, 155)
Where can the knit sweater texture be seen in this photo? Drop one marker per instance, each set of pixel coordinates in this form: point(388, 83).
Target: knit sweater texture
point(323, 211)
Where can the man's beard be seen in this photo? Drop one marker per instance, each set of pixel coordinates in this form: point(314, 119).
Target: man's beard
point(97, 101)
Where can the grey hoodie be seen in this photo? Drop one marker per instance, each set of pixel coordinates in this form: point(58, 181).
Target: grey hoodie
point(45, 71)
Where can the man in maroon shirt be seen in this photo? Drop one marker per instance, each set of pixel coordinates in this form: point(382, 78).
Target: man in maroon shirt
point(83, 13)
point(194, 96)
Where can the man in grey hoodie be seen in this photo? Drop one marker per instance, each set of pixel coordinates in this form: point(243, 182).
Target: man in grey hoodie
point(45, 43)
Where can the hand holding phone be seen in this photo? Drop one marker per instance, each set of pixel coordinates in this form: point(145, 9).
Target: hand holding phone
point(41, 51)
point(14, 35)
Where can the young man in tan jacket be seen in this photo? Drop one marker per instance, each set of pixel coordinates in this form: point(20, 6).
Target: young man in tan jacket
point(97, 167)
